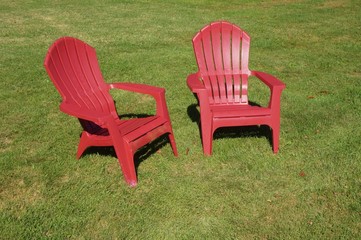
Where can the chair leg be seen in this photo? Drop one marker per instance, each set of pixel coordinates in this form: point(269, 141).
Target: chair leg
point(126, 160)
point(207, 137)
point(173, 144)
point(275, 137)
point(83, 145)
point(124, 153)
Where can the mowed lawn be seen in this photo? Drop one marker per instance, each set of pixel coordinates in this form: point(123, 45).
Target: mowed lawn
point(310, 190)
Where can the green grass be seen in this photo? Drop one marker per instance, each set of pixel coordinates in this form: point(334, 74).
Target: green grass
point(310, 190)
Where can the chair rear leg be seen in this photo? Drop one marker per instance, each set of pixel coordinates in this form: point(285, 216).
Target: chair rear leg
point(275, 138)
point(173, 144)
point(83, 145)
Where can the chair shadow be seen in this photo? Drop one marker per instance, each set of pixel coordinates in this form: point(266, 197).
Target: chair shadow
point(257, 131)
point(141, 154)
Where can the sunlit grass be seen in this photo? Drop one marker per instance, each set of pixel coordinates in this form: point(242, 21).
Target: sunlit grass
point(310, 190)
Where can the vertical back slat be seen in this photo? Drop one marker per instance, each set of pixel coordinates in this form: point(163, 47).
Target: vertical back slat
point(244, 67)
point(245, 53)
point(199, 52)
point(227, 62)
point(218, 60)
point(236, 50)
point(208, 54)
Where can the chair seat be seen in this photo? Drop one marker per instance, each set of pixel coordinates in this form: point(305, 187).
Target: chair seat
point(137, 132)
point(228, 111)
point(132, 129)
point(135, 128)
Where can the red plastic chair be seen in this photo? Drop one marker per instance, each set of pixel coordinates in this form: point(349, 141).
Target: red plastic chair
point(222, 52)
point(73, 67)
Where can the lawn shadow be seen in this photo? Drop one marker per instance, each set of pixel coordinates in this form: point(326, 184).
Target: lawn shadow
point(141, 154)
point(257, 131)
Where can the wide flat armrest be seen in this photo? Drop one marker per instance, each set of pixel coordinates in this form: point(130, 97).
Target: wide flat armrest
point(194, 84)
point(268, 79)
point(139, 88)
point(85, 114)
point(156, 92)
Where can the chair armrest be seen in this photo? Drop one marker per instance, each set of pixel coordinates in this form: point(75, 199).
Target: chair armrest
point(85, 114)
point(139, 88)
point(268, 79)
point(197, 87)
point(156, 92)
point(276, 86)
point(194, 84)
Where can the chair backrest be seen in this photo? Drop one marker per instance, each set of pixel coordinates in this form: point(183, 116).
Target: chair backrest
point(222, 52)
point(73, 68)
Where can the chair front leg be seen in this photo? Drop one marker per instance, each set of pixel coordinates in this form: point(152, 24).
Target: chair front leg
point(206, 122)
point(275, 135)
point(207, 134)
point(124, 154)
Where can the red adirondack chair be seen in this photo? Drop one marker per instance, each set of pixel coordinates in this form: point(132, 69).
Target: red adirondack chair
point(221, 83)
point(73, 67)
